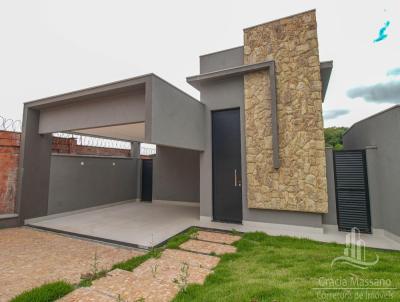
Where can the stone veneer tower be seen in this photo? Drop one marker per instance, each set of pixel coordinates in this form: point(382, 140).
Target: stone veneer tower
point(299, 184)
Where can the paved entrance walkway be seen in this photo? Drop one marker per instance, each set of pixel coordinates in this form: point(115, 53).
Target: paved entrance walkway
point(30, 258)
point(160, 279)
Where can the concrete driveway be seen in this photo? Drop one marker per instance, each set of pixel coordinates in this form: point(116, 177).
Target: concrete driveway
point(138, 223)
point(30, 258)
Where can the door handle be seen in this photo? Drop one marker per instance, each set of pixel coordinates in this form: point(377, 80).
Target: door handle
point(235, 178)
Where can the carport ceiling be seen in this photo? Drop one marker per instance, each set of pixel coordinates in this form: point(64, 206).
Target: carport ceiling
point(129, 132)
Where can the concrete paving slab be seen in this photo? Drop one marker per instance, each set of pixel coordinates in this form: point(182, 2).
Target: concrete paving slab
point(207, 247)
point(86, 294)
point(139, 223)
point(217, 237)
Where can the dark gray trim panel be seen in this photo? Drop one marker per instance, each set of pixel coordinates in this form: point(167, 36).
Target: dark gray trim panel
point(325, 71)
point(89, 237)
point(269, 66)
point(9, 222)
point(196, 80)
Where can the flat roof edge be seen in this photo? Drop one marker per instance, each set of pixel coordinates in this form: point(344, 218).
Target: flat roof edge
point(326, 64)
point(219, 51)
point(91, 90)
point(371, 117)
point(193, 80)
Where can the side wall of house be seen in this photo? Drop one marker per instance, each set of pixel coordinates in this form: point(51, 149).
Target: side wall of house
point(225, 94)
point(177, 119)
point(380, 136)
point(176, 175)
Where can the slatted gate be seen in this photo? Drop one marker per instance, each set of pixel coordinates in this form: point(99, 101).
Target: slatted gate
point(352, 196)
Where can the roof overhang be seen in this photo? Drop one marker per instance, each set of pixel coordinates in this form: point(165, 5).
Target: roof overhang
point(195, 81)
point(145, 108)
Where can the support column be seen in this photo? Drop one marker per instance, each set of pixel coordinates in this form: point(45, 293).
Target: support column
point(34, 168)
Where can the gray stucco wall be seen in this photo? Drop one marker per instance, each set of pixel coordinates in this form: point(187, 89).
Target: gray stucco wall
point(34, 167)
point(177, 119)
point(96, 111)
point(228, 58)
point(176, 175)
point(383, 131)
point(375, 189)
point(224, 94)
point(74, 186)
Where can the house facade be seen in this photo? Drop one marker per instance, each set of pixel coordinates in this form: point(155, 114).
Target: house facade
point(251, 151)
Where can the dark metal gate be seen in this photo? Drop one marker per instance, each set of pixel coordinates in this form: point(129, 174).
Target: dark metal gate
point(352, 196)
point(147, 180)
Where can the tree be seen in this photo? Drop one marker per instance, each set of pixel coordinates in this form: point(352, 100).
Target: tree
point(334, 137)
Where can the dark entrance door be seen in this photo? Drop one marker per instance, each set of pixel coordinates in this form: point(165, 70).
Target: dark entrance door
point(147, 180)
point(226, 166)
point(352, 197)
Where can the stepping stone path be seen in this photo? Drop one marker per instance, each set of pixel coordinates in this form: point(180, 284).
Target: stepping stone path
point(207, 247)
point(160, 279)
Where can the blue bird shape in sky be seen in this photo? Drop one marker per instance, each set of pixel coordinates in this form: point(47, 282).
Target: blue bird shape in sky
point(382, 33)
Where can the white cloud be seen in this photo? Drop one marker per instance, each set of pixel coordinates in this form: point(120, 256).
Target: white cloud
point(388, 92)
point(335, 113)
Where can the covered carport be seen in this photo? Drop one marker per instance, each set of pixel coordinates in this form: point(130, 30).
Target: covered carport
point(142, 109)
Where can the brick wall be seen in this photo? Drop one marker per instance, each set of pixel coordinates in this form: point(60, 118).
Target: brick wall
point(9, 157)
point(69, 146)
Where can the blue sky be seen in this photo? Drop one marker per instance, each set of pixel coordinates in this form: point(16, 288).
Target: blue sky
point(50, 47)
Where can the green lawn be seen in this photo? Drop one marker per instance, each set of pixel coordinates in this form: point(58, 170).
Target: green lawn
point(267, 268)
point(45, 293)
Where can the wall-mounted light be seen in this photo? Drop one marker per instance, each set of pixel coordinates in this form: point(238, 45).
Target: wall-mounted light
point(82, 163)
